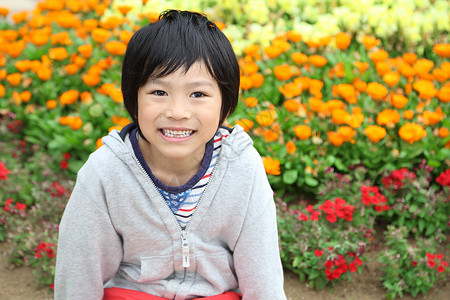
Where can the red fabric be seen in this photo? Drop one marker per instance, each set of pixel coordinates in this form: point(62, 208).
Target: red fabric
point(125, 294)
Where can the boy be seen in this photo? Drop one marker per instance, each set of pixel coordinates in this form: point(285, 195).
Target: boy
point(175, 206)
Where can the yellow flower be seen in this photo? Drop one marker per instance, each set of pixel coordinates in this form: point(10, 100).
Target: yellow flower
point(375, 133)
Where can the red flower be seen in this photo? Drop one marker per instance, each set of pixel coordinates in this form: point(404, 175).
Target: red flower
point(430, 256)
point(444, 178)
point(431, 263)
point(318, 253)
point(7, 206)
point(395, 180)
point(413, 263)
point(52, 286)
point(352, 267)
point(440, 269)
point(303, 217)
point(3, 172)
point(315, 215)
point(329, 264)
point(67, 156)
point(20, 206)
point(64, 165)
point(444, 263)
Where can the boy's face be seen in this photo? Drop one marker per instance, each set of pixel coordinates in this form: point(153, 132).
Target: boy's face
point(178, 114)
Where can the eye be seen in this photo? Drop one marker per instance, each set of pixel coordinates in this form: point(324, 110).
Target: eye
point(198, 95)
point(159, 93)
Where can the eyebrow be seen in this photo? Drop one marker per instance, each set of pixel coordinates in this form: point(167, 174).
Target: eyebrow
point(189, 84)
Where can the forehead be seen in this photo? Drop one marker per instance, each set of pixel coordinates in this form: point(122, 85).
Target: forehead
point(197, 73)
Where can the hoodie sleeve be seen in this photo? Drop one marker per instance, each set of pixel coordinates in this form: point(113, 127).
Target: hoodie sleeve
point(89, 249)
point(256, 255)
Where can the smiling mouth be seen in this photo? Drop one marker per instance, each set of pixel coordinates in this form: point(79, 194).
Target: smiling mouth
point(177, 133)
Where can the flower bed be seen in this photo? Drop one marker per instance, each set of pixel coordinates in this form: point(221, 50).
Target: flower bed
point(360, 130)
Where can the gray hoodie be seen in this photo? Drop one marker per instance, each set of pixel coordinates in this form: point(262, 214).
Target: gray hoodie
point(117, 230)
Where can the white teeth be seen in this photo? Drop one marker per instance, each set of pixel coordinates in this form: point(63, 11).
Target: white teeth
point(178, 134)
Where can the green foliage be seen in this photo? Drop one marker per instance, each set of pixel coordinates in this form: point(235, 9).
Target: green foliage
point(410, 268)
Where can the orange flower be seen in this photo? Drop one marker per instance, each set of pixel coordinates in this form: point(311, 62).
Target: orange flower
point(354, 120)
point(294, 36)
point(425, 88)
point(3, 74)
point(52, 104)
point(23, 65)
point(347, 133)
point(347, 92)
point(72, 69)
point(335, 138)
point(303, 132)
point(125, 36)
point(378, 55)
point(398, 101)
point(412, 132)
point(283, 72)
point(86, 97)
point(444, 94)
point(369, 42)
point(339, 116)
point(257, 80)
point(16, 48)
point(110, 22)
point(86, 50)
point(90, 24)
point(124, 9)
point(100, 35)
point(62, 38)
point(4, 11)
point(333, 104)
point(91, 79)
point(360, 85)
point(75, 123)
point(423, 66)
point(440, 75)
point(59, 53)
point(376, 90)
point(252, 50)
point(433, 117)
point(388, 117)
point(318, 60)
point(375, 133)
point(317, 105)
point(246, 124)
point(443, 132)
point(116, 95)
point(391, 78)
point(246, 82)
point(116, 48)
point(270, 136)
point(362, 66)
point(409, 58)
point(272, 51)
point(251, 101)
point(250, 68)
point(19, 17)
point(44, 73)
point(291, 148)
point(315, 85)
point(290, 90)
point(382, 67)
point(406, 70)
point(291, 105)
point(299, 58)
point(272, 166)
point(2, 91)
point(408, 114)
point(69, 97)
point(343, 40)
point(442, 49)
point(14, 79)
point(265, 118)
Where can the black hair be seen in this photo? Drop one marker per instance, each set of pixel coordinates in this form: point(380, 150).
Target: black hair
point(178, 40)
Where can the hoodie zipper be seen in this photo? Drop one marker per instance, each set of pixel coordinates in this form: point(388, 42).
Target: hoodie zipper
point(183, 231)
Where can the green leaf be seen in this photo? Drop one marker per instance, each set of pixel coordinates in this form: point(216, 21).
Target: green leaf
point(311, 181)
point(290, 176)
point(434, 163)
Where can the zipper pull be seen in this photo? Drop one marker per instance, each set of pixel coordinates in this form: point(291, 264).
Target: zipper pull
point(185, 249)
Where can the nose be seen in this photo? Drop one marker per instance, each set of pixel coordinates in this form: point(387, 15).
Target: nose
point(178, 108)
